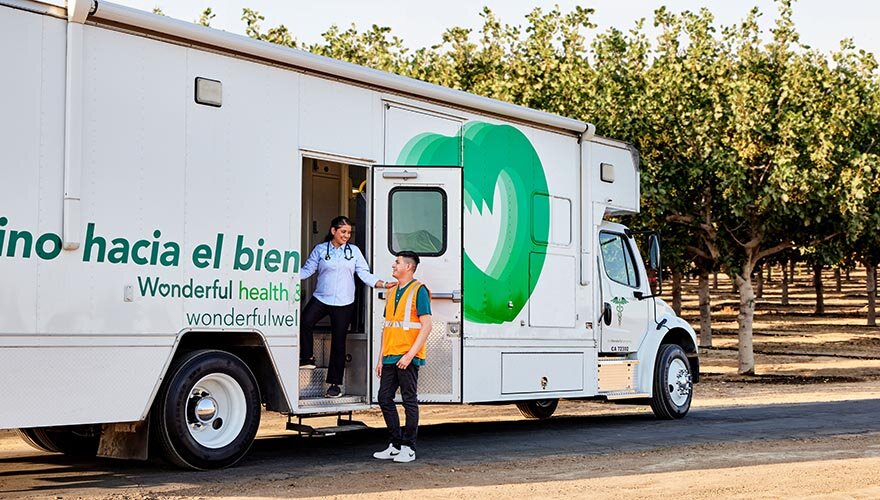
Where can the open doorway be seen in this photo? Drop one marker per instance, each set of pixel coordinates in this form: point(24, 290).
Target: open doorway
point(331, 189)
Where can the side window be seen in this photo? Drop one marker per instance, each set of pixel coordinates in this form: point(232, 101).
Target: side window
point(618, 259)
point(417, 221)
point(559, 232)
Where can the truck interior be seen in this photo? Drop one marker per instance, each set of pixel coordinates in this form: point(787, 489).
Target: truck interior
point(331, 189)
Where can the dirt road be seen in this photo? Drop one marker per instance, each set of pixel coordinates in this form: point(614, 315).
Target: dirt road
point(727, 447)
point(806, 426)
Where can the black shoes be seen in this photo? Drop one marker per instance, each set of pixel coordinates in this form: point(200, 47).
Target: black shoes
point(334, 391)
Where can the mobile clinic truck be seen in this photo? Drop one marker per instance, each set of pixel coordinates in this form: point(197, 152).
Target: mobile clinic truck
point(162, 181)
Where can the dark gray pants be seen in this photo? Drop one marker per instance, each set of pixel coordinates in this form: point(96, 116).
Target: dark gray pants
point(407, 380)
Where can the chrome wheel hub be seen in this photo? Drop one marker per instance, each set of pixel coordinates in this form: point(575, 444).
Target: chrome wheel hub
point(206, 409)
point(216, 410)
point(679, 383)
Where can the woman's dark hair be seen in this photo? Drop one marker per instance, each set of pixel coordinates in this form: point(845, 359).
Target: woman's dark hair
point(336, 223)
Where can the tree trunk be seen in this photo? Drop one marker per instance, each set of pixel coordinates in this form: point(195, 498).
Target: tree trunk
point(705, 311)
point(745, 319)
point(847, 275)
point(676, 292)
point(785, 278)
point(769, 273)
point(714, 281)
point(820, 292)
point(837, 279)
point(872, 294)
point(759, 290)
point(791, 271)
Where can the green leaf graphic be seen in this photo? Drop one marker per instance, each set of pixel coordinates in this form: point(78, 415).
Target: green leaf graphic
point(495, 156)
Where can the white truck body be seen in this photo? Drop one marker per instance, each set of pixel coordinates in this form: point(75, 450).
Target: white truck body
point(162, 184)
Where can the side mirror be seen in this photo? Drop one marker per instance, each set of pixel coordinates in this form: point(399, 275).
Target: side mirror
point(654, 252)
point(654, 263)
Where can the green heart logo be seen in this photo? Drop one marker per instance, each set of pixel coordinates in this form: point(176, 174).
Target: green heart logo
point(503, 217)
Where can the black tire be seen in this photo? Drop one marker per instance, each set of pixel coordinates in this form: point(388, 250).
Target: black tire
point(672, 397)
point(31, 437)
point(539, 408)
point(75, 440)
point(229, 429)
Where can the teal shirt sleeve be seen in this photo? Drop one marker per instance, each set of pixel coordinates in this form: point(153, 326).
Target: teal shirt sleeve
point(423, 302)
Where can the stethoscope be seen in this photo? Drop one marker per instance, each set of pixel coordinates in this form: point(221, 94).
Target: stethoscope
point(347, 251)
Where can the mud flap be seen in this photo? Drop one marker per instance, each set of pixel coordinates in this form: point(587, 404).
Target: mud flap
point(128, 440)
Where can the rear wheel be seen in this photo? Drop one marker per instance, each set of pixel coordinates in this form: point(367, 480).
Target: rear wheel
point(207, 413)
point(673, 386)
point(540, 408)
point(31, 437)
point(74, 440)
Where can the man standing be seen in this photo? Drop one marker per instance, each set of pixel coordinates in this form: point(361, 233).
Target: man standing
point(407, 326)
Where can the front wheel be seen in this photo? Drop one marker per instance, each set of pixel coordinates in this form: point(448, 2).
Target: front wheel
point(673, 386)
point(208, 411)
point(540, 408)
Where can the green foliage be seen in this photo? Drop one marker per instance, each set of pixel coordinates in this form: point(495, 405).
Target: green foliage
point(751, 149)
point(279, 35)
point(205, 18)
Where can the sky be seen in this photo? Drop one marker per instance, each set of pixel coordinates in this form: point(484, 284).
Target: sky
point(420, 23)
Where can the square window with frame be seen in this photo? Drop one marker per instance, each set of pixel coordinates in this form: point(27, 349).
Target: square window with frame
point(417, 221)
point(617, 256)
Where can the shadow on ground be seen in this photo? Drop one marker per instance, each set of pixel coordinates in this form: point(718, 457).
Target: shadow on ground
point(289, 458)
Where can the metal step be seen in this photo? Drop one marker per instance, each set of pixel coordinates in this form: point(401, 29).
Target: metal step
point(344, 426)
point(312, 382)
point(318, 402)
point(624, 395)
point(344, 423)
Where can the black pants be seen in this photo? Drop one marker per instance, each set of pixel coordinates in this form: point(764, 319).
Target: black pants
point(340, 318)
point(408, 381)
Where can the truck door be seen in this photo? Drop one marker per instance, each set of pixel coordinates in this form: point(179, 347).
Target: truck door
point(624, 319)
point(419, 209)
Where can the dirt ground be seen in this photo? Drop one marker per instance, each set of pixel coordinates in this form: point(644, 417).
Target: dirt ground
point(801, 358)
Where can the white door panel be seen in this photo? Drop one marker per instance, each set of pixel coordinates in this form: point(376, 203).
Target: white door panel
point(419, 209)
point(620, 277)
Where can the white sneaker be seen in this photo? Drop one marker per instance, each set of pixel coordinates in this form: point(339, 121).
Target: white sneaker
point(406, 454)
point(387, 453)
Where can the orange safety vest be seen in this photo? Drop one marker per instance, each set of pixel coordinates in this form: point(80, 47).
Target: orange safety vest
point(402, 323)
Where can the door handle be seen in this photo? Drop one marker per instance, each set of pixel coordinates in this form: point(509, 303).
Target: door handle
point(606, 314)
point(454, 295)
point(391, 174)
point(381, 295)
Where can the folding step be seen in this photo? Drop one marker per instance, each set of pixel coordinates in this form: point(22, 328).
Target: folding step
point(317, 402)
point(325, 431)
point(342, 425)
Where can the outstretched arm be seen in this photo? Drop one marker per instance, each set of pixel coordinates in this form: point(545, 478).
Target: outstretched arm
point(363, 271)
